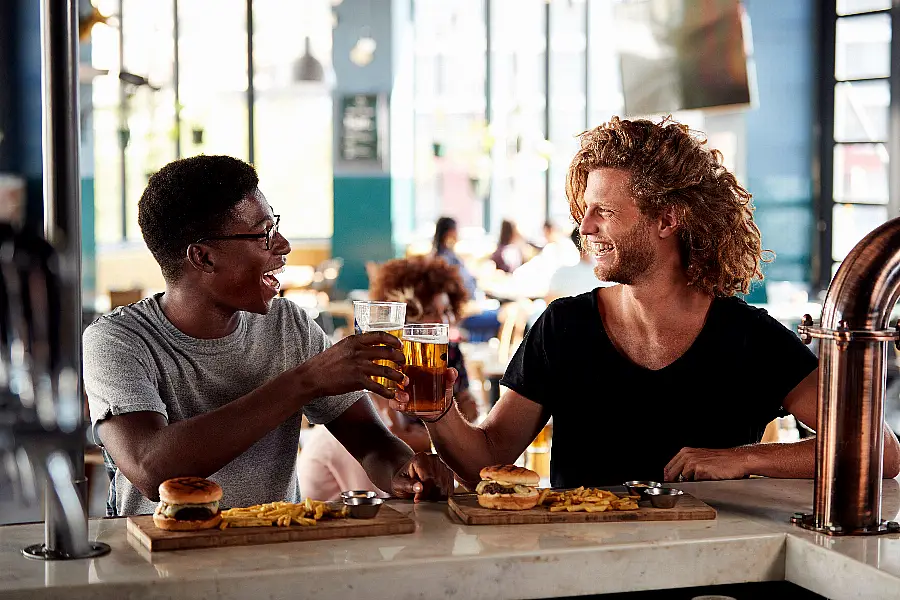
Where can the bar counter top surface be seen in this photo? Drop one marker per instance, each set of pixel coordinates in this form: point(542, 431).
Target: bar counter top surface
point(751, 540)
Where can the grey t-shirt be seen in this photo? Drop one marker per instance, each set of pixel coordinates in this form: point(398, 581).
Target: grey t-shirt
point(136, 360)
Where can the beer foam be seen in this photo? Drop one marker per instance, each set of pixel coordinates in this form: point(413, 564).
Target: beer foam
point(428, 339)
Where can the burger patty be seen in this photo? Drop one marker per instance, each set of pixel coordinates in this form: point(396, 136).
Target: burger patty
point(188, 512)
point(496, 488)
point(193, 513)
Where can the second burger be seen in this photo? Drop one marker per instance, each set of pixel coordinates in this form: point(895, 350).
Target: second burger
point(508, 487)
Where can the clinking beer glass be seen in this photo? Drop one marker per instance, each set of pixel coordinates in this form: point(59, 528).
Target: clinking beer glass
point(380, 316)
point(425, 349)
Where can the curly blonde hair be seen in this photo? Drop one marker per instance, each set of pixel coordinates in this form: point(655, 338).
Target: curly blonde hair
point(672, 167)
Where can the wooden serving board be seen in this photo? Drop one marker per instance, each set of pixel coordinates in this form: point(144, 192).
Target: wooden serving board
point(466, 507)
point(387, 522)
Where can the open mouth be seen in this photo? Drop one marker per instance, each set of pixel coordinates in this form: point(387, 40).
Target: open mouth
point(271, 280)
point(601, 249)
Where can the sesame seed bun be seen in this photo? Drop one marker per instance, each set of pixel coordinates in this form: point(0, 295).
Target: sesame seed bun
point(511, 474)
point(189, 490)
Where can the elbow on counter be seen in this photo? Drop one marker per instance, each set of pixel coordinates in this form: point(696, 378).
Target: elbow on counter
point(146, 480)
point(891, 464)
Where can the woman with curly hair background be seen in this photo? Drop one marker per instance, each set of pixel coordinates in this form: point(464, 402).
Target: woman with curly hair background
point(669, 367)
point(434, 293)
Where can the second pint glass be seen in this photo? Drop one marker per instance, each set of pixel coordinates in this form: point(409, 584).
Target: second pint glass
point(380, 316)
point(425, 348)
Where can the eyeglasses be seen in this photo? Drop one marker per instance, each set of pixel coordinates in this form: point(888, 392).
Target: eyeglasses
point(269, 235)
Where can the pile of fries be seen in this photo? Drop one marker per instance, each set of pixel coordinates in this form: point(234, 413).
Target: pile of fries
point(280, 514)
point(586, 500)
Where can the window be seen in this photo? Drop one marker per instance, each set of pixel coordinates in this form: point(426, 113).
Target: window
point(184, 90)
point(856, 103)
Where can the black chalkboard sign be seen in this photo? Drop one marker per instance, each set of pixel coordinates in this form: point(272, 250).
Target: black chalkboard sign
point(360, 128)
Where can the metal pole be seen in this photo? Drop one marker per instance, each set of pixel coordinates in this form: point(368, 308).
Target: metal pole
point(176, 71)
point(124, 132)
point(251, 98)
point(587, 64)
point(488, 114)
point(547, 108)
point(62, 217)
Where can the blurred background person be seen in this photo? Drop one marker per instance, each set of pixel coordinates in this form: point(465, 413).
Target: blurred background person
point(509, 254)
point(434, 293)
point(446, 234)
point(571, 280)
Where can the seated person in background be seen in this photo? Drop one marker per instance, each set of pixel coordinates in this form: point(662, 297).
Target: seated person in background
point(446, 235)
point(572, 280)
point(509, 255)
point(433, 293)
point(669, 367)
point(210, 378)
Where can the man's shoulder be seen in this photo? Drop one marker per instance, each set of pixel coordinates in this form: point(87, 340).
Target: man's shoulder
point(735, 309)
point(282, 312)
point(129, 320)
point(569, 305)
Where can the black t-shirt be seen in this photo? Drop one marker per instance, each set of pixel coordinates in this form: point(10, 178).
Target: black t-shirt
point(614, 421)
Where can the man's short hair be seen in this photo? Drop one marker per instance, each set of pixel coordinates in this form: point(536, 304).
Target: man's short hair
point(188, 199)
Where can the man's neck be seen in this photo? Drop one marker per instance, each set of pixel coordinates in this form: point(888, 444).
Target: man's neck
point(196, 315)
point(660, 301)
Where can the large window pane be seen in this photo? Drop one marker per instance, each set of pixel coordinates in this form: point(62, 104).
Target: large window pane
point(293, 120)
point(849, 7)
point(452, 143)
point(567, 101)
point(106, 115)
point(860, 173)
point(852, 222)
point(861, 111)
point(863, 47)
point(521, 152)
point(605, 80)
point(150, 108)
point(213, 77)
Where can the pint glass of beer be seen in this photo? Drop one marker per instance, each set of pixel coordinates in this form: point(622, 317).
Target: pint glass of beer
point(425, 348)
point(380, 316)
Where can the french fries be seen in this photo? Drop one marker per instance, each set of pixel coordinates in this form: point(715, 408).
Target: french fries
point(280, 514)
point(585, 500)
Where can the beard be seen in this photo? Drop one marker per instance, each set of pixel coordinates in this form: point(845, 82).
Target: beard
point(634, 255)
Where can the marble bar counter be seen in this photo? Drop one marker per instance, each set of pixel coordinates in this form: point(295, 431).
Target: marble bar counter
point(750, 541)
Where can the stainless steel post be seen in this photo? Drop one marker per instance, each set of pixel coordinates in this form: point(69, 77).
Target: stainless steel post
point(66, 493)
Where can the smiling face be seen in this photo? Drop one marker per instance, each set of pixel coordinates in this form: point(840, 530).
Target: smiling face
point(241, 273)
point(619, 238)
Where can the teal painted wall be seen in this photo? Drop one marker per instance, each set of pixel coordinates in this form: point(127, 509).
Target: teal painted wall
point(362, 226)
point(88, 244)
point(780, 135)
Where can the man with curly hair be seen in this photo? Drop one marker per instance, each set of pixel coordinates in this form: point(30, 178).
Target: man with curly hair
point(667, 375)
point(212, 377)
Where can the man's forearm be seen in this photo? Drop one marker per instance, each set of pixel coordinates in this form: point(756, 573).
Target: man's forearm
point(786, 461)
point(385, 460)
point(798, 459)
point(462, 446)
point(197, 446)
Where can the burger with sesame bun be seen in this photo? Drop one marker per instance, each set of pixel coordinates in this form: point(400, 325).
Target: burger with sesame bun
point(508, 487)
point(188, 504)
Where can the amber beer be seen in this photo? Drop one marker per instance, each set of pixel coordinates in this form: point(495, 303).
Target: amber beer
point(380, 316)
point(425, 349)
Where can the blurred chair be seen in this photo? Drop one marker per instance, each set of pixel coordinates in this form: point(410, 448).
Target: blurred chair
point(513, 317)
point(119, 298)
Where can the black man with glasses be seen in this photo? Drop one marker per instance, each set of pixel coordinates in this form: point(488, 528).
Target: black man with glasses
point(211, 377)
